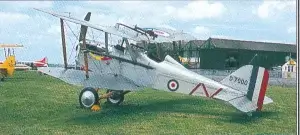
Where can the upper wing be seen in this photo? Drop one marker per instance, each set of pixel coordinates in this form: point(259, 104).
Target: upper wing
point(111, 30)
point(10, 46)
point(163, 34)
point(168, 35)
point(77, 77)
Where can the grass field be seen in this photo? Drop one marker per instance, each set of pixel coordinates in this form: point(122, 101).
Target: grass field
point(35, 104)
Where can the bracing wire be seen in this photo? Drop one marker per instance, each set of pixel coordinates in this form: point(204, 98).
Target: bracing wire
point(110, 39)
point(93, 34)
point(89, 33)
point(73, 32)
point(74, 43)
point(79, 30)
point(72, 49)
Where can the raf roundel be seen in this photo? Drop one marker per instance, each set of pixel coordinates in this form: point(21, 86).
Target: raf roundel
point(173, 85)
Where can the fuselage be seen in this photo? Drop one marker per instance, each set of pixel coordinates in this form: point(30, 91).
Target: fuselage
point(39, 63)
point(156, 76)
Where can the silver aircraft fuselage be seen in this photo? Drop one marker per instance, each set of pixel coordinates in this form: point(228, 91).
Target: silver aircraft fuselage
point(137, 67)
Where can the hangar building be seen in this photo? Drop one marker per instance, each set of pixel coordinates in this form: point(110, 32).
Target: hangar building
point(226, 54)
point(231, 54)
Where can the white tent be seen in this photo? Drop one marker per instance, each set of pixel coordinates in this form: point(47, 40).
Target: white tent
point(289, 69)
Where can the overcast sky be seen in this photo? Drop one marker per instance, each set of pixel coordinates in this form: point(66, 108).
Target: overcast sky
point(271, 21)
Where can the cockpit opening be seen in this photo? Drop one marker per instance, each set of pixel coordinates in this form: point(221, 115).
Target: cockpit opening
point(120, 48)
point(94, 48)
point(153, 53)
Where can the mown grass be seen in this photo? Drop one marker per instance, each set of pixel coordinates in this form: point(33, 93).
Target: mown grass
point(35, 104)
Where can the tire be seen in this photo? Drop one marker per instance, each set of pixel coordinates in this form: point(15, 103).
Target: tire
point(88, 97)
point(116, 98)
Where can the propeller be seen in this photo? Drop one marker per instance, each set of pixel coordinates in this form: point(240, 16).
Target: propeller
point(82, 37)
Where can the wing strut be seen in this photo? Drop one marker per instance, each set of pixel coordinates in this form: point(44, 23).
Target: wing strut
point(63, 42)
point(86, 63)
point(106, 42)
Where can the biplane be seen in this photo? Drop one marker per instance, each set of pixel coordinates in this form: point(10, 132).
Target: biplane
point(7, 67)
point(126, 67)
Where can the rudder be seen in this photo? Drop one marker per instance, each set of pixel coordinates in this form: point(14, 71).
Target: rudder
point(258, 86)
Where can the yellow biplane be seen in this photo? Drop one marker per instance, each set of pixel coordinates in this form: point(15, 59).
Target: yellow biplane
point(7, 67)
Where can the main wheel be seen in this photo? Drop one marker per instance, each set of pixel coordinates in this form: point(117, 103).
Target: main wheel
point(116, 98)
point(88, 97)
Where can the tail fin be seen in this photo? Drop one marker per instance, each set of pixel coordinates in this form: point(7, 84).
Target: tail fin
point(9, 65)
point(253, 82)
point(44, 60)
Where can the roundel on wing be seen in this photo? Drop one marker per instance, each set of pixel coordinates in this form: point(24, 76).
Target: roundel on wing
point(173, 85)
point(161, 33)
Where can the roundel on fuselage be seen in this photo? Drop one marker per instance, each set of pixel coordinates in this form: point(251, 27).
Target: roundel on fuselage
point(173, 85)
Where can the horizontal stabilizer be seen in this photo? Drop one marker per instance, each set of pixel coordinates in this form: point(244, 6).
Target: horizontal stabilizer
point(245, 105)
point(240, 102)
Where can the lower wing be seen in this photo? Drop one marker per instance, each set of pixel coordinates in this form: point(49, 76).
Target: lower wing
point(77, 77)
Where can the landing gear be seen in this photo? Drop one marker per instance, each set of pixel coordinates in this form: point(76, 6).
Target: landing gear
point(116, 97)
point(88, 97)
